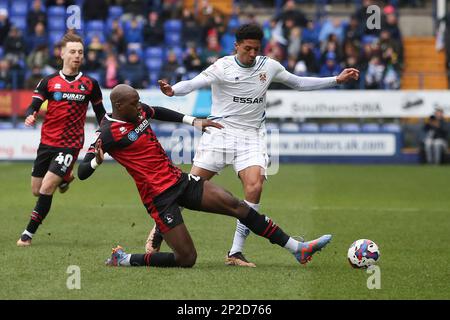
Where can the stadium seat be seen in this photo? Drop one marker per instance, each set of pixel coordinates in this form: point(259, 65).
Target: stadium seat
point(18, 8)
point(95, 25)
point(4, 4)
point(173, 26)
point(370, 127)
point(154, 64)
point(19, 21)
point(391, 127)
point(55, 11)
point(153, 77)
point(154, 52)
point(172, 39)
point(309, 127)
point(55, 36)
point(90, 34)
point(115, 11)
point(1, 52)
point(350, 127)
point(329, 127)
point(289, 127)
point(178, 52)
point(57, 23)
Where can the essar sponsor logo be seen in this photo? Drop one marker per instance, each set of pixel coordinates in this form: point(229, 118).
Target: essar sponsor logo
point(248, 100)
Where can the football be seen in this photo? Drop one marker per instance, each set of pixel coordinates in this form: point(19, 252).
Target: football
point(363, 253)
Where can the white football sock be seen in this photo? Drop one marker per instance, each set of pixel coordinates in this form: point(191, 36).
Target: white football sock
point(292, 245)
point(242, 232)
point(125, 262)
point(28, 233)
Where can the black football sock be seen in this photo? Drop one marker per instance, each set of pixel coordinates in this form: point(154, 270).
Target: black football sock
point(156, 259)
point(39, 213)
point(265, 227)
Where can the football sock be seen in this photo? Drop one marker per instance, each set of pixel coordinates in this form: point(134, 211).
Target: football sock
point(156, 259)
point(242, 232)
point(39, 213)
point(265, 227)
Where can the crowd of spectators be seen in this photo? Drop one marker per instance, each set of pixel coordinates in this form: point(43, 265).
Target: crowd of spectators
point(141, 41)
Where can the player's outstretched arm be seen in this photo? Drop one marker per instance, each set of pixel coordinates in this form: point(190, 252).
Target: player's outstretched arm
point(182, 88)
point(165, 114)
point(91, 161)
point(316, 83)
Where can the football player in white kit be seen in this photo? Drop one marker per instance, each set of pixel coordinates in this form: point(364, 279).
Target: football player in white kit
point(239, 84)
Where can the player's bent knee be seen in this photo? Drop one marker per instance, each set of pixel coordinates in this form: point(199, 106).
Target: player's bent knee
point(254, 189)
point(187, 260)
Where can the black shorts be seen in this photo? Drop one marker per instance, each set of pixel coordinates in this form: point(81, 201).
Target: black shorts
point(165, 210)
point(60, 161)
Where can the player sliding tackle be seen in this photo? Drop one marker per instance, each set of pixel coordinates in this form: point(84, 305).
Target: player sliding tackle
point(127, 136)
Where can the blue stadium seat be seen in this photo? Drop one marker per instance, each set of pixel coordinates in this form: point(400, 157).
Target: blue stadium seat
point(115, 11)
point(18, 8)
point(109, 23)
point(370, 127)
point(95, 25)
point(56, 23)
point(289, 127)
point(54, 37)
point(1, 52)
point(309, 127)
point(153, 77)
point(172, 39)
point(154, 64)
point(55, 11)
point(391, 127)
point(154, 52)
point(350, 127)
point(4, 4)
point(173, 25)
point(329, 127)
point(19, 21)
point(95, 75)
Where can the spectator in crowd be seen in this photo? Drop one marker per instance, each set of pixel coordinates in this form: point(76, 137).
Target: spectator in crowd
point(133, 33)
point(291, 12)
point(390, 23)
point(192, 61)
point(14, 47)
point(134, 72)
point(294, 38)
point(310, 34)
point(111, 73)
point(134, 9)
point(96, 45)
point(38, 58)
point(172, 71)
point(215, 24)
point(95, 10)
point(227, 40)
point(172, 9)
point(331, 68)
point(36, 15)
point(5, 25)
point(353, 31)
point(192, 31)
point(375, 73)
point(153, 30)
point(116, 37)
point(307, 56)
point(38, 37)
point(213, 51)
point(34, 78)
point(435, 141)
point(332, 26)
point(331, 46)
point(274, 50)
point(92, 62)
point(55, 61)
point(5, 75)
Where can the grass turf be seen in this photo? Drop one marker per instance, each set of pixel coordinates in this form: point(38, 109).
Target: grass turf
point(404, 209)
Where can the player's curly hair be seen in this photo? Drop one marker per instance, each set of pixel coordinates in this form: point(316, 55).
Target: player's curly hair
point(249, 31)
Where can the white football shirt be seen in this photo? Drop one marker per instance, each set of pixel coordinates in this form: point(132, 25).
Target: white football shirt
point(239, 92)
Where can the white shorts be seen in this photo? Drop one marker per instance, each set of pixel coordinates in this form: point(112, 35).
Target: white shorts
point(242, 148)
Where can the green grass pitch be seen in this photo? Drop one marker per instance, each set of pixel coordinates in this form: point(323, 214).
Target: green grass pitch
point(404, 209)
